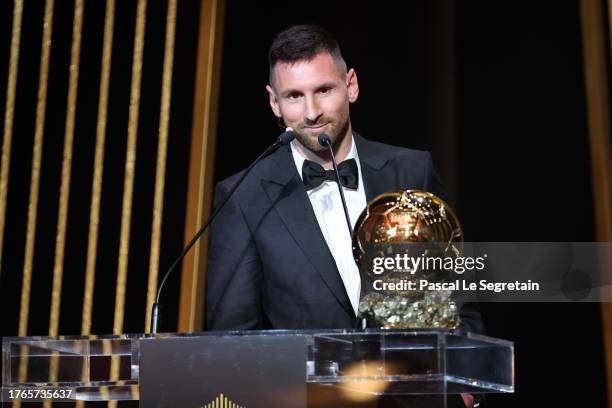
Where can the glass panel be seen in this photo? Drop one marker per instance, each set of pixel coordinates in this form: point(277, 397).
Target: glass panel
point(479, 364)
point(92, 368)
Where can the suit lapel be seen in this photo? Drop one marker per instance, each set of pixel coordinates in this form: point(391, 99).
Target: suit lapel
point(287, 193)
point(378, 175)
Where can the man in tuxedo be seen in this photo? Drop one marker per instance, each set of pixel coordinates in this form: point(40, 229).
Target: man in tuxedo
point(280, 252)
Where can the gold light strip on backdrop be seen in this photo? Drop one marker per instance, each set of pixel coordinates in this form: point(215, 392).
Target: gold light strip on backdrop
point(162, 148)
point(62, 216)
point(128, 184)
point(35, 175)
point(96, 191)
point(201, 161)
point(130, 164)
point(9, 114)
point(600, 133)
point(26, 284)
point(60, 237)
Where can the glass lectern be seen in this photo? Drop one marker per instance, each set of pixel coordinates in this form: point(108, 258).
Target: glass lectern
point(259, 368)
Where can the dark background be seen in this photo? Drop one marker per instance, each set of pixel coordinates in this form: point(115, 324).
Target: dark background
point(495, 90)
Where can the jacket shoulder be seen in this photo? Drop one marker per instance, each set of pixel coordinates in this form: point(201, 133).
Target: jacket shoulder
point(251, 183)
point(377, 149)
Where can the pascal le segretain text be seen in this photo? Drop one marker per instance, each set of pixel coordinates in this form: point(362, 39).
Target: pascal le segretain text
point(456, 285)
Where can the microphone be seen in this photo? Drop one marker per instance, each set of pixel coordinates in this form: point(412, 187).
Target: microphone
point(325, 141)
point(284, 139)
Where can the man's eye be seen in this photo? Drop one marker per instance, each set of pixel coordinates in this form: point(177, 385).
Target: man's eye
point(293, 96)
point(324, 90)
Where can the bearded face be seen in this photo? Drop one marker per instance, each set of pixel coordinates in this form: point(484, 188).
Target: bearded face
point(313, 97)
point(335, 127)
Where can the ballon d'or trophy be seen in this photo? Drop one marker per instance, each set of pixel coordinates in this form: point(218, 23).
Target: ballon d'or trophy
point(400, 240)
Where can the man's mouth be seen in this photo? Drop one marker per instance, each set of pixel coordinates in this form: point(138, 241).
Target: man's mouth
point(316, 127)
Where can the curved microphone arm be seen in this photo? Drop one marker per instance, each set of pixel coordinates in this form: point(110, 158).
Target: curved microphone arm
point(283, 139)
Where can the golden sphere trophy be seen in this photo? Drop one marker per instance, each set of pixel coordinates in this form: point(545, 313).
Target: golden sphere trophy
point(400, 241)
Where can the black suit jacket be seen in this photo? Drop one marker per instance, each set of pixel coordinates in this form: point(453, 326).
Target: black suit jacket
point(268, 263)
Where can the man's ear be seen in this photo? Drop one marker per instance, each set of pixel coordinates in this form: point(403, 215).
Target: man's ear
point(353, 85)
point(273, 101)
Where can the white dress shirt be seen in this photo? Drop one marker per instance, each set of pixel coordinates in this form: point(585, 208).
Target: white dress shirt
point(327, 206)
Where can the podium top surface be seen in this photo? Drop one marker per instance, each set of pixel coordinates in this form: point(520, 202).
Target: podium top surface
point(313, 332)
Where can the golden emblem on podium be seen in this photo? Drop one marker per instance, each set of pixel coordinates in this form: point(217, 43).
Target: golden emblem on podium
point(222, 402)
point(400, 241)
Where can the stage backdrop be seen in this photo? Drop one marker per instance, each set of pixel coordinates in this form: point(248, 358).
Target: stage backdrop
point(111, 111)
point(98, 99)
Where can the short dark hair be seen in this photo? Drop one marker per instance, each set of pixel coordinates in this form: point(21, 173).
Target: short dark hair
point(302, 43)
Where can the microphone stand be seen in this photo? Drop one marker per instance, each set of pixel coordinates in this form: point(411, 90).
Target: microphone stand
point(325, 141)
point(283, 139)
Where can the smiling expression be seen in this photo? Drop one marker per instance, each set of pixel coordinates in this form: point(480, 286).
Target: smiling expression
point(313, 97)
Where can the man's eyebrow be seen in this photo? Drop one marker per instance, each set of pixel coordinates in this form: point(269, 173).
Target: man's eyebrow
point(288, 92)
point(327, 85)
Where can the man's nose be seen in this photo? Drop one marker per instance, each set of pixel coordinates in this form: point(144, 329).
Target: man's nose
point(313, 111)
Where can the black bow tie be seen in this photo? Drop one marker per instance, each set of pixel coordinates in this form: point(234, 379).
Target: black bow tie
point(314, 174)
